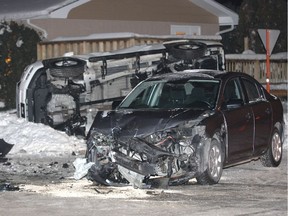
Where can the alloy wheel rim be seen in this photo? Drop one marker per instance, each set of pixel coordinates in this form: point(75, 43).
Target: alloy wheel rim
point(276, 147)
point(215, 161)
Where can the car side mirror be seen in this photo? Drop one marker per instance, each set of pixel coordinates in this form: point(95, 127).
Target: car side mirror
point(233, 104)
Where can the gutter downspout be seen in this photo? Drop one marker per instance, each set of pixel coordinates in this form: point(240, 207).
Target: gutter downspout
point(45, 34)
point(231, 28)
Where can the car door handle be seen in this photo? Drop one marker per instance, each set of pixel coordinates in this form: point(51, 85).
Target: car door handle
point(248, 116)
point(268, 111)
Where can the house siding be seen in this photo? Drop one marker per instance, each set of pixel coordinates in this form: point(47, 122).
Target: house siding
point(141, 17)
point(77, 28)
point(182, 11)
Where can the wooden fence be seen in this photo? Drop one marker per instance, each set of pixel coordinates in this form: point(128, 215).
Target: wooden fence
point(50, 49)
point(255, 65)
point(47, 50)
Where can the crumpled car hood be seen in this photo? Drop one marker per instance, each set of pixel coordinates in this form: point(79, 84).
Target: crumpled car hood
point(142, 122)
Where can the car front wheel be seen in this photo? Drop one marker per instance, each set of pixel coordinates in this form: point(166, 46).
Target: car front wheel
point(214, 170)
point(273, 156)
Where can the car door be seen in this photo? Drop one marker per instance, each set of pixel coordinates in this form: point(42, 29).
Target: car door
point(239, 123)
point(262, 115)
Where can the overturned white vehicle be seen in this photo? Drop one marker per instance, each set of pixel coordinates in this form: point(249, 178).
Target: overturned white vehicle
point(64, 92)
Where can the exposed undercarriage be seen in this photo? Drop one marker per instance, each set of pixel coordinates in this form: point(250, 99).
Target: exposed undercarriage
point(59, 106)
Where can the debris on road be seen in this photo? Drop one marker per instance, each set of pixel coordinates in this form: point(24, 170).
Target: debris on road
point(8, 187)
point(4, 147)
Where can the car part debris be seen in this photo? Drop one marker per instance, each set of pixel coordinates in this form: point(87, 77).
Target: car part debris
point(103, 192)
point(4, 148)
point(8, 187)
point(3, 160)
point(81, 168)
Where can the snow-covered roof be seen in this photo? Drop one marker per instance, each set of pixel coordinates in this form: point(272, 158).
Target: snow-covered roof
point(29, 9)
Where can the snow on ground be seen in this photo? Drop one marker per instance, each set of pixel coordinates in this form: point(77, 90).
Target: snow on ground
point(39, 139)
point(36, 139)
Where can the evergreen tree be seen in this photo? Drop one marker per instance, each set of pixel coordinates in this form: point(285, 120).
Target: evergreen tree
point(18, 48)
point(254, 15)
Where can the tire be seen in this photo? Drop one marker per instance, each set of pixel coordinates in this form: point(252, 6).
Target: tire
point(187, 50)
point(214, 170)
point(65, 67)
point(273, 156)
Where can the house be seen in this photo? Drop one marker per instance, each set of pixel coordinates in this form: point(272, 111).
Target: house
point(80, 18)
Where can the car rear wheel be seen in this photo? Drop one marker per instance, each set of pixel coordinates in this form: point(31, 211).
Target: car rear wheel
point(65, 67)
point(273, 156)
point(214, 170)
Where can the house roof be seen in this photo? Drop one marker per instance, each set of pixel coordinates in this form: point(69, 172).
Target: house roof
point(30, 9)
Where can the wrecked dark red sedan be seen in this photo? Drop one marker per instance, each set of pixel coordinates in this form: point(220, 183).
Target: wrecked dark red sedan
point(178, 126)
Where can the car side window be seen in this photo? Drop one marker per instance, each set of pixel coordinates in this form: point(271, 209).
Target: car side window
point(251, 90)
point(232, 91)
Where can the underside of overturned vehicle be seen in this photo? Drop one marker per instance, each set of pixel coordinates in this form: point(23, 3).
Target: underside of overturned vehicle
point(64, 92)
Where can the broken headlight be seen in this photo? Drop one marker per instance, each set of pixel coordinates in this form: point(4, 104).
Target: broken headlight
point(157, 137)
point(99, 146)
point(172, 140)
point(100, 138)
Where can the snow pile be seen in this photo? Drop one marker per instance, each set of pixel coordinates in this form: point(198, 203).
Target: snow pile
point(36, 139)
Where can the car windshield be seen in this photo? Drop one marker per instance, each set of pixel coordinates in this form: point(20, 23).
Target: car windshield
point(192, 93)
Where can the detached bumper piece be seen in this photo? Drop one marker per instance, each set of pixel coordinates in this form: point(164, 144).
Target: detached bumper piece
point(4, 148)
point(8, 187)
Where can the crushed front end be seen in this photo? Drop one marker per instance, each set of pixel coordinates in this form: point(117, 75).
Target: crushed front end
point(166, 157)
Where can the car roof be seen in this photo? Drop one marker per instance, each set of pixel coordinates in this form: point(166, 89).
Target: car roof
point(199, 74)
point(188, 74)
